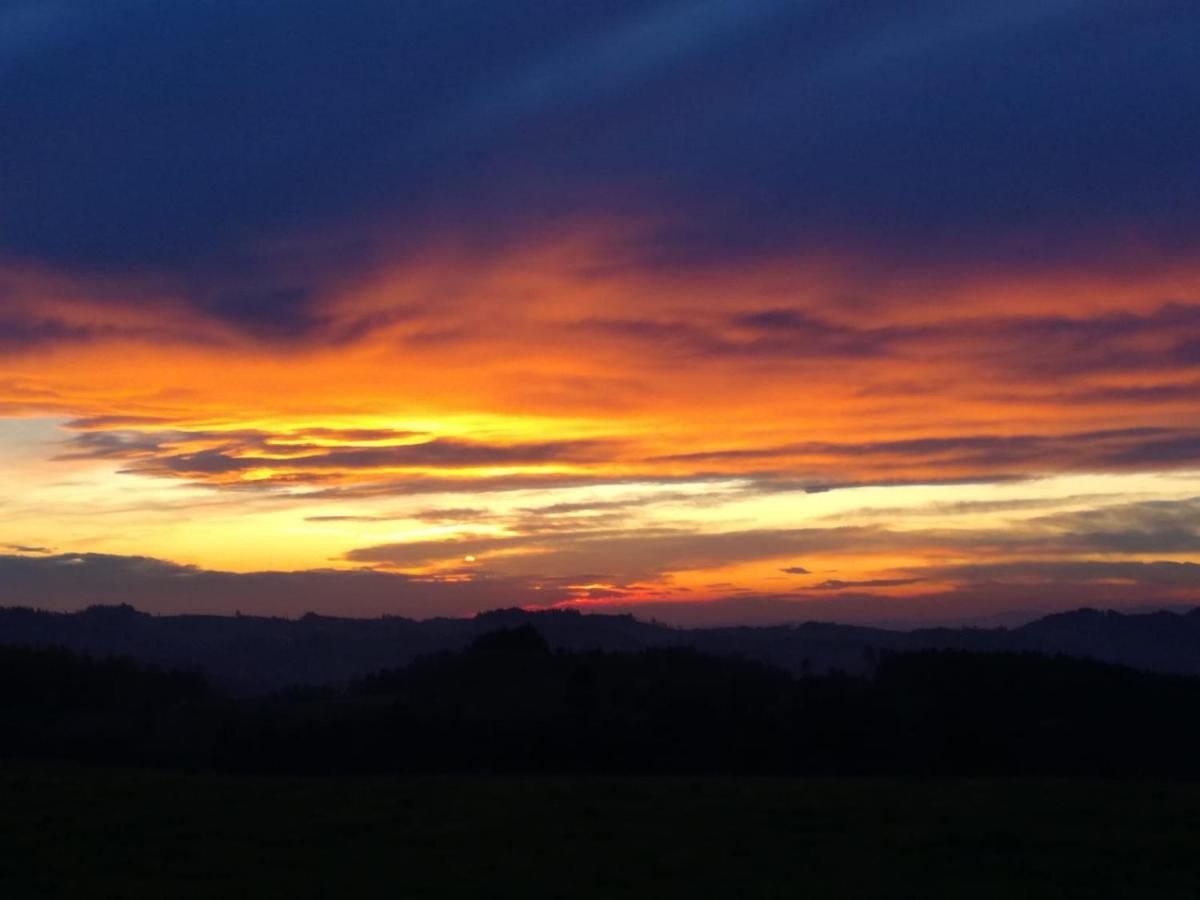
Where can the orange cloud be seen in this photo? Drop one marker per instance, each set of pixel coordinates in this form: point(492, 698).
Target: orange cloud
point(547, 378)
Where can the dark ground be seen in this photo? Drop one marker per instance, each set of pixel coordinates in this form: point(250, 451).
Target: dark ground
point(79, 832)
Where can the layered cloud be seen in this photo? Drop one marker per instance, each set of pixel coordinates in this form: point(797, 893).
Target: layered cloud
point(380, 461)
point(73, 581)
point(584, 544)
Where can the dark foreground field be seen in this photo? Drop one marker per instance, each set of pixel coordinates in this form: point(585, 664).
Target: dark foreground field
point(83, 832)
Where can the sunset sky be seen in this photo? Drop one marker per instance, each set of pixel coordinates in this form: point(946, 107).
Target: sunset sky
point(705, 310)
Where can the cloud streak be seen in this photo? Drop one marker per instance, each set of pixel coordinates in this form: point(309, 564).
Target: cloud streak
point(73, 581)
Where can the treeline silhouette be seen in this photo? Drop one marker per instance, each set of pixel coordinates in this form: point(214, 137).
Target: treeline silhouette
point(254, 655)
point(510, 703)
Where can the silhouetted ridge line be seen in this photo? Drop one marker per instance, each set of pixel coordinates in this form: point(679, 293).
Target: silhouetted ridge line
point(254, 654)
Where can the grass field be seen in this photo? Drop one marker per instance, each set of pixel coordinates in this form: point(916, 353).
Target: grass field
point(75, 832)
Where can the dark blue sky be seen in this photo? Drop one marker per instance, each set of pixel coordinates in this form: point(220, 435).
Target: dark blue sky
point(186, 139)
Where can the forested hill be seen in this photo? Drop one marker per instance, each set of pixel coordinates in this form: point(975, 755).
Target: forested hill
point(508, 702)
point(250, 654)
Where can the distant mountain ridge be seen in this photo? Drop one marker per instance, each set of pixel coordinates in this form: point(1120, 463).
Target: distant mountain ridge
point(249, 653)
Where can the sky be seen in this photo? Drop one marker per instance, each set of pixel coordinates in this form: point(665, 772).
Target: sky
point(710, 312)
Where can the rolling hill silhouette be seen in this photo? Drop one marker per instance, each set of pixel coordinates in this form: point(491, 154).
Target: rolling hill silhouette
point(249, 654)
